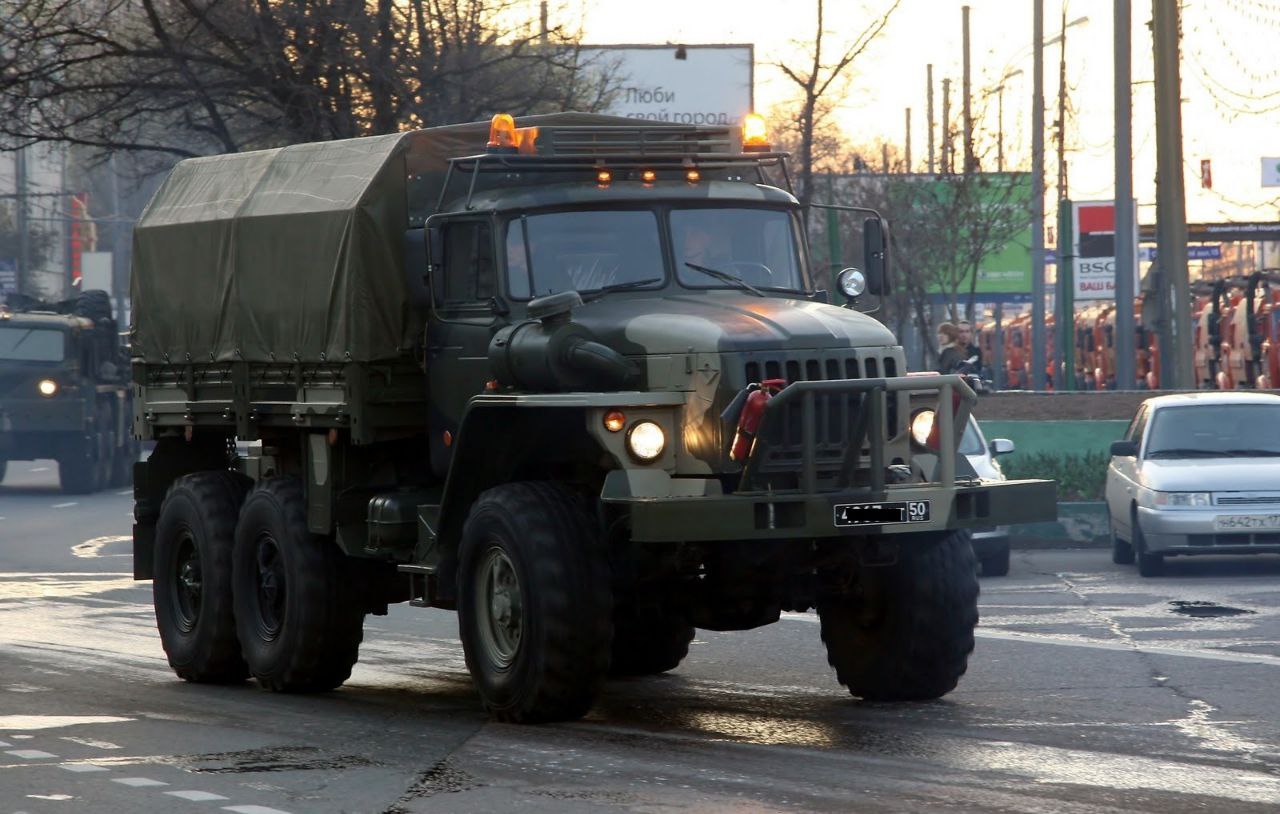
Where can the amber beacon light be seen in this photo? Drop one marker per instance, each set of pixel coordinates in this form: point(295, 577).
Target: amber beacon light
point(755, 135)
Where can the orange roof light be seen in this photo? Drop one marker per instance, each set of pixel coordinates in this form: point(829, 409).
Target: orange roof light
point(755, 135)
point(527, 140)
point(615, 420)
point(692, 176)
point(502, 133)
point(648, 176)
point(603, 178)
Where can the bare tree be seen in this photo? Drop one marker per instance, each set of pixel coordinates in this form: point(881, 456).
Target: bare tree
point(820, 86)
point(188, 77)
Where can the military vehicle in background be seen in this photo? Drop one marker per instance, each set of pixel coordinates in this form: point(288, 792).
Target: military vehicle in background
point(574, 379)
point(65, 392)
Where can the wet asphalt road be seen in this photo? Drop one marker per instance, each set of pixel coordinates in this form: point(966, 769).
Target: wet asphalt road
point(1087, 693)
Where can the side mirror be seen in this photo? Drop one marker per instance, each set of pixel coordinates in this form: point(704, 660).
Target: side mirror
point(874, 260)
point(1124, 449)
point(1001, 446)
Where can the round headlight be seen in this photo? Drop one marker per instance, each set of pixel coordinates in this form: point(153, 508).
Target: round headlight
point(852, 283)
point(646, 440)
point(47, 387)
point(922, 427)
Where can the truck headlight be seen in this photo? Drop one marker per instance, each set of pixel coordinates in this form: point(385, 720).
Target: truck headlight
point(852, 283)
point(645, 441)
point(47, 387)
point(1184, 499)
point(922, 427)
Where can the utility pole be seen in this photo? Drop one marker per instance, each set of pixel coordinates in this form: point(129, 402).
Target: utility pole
point(1062, 112)
point(907, 143)
point(1125, 250)
point(968, 112)
point(24, 246)
point(946, 126)
point(1000, 128)
point(929, 96)
point(1037, 200)
point(1171, 215)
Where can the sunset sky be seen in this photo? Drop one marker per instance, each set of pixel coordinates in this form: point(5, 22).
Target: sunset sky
point(1230, 79)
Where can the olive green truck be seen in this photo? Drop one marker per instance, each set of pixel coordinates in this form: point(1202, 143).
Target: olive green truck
point(576, 380)
point(64, 390)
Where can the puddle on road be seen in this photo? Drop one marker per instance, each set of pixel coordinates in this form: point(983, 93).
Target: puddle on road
point(278, 759)
point(1205, 610)
point(62, 585)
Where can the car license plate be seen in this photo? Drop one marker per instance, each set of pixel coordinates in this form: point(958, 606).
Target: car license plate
point(1243, 522)
point(878, 514)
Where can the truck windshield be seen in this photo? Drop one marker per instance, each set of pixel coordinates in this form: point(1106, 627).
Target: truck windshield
point(31, 344)
point(583, 251)
point(757, 246)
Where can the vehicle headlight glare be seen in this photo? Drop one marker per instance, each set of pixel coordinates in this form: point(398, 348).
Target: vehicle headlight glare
point(646, 440)
point(1184, 499)
point(47, 387)
point(852, 283)
point(922, 427)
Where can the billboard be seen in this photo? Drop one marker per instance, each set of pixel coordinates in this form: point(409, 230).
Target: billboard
point(683, 84)
point(1093, 249)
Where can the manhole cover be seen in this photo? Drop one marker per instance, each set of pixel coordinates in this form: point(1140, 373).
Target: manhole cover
point(1202, 610)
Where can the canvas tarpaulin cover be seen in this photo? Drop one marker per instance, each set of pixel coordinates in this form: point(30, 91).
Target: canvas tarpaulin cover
point(295, 252)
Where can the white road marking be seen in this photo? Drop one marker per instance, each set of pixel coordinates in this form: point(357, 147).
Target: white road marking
point(196, 796)
point(58, 797)
point(253, 810)
point(38, 469)
point(93, 548)
point(83, 767)
point(1095, 644)
point(90, 742)
point(29, 754)
point(33, 722)
point(138, 782)
point(65, 505)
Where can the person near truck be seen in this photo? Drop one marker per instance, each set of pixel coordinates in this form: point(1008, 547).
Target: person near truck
point(967, 345)
point(950, 352)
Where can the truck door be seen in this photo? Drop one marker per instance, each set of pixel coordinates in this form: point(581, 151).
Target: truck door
point(463, 321)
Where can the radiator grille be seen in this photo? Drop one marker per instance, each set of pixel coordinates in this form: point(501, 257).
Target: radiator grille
point(1247, 500)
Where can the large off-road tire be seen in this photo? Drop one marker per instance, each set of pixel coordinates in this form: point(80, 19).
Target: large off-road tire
point(1121, 552)
point(1149, 565)
point(904, 632)
point(534, 602)
point(79, 467)
point(648, 644)
point(192, 584)
point(4, 466)
point(299, 624)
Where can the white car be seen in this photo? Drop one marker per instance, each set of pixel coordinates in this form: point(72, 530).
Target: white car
point(1196, 474)
point(990, 545)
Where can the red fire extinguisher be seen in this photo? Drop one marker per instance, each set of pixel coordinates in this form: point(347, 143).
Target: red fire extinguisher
point(752, 413)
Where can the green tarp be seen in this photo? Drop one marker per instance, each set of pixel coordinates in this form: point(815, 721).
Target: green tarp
point(296, 252)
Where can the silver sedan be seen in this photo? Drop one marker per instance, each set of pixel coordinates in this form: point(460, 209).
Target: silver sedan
point(1196, 474)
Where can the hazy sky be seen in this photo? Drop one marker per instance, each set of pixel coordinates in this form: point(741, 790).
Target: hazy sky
point(1230, 79)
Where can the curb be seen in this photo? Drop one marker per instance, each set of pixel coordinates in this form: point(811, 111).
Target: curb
point(1079, 525)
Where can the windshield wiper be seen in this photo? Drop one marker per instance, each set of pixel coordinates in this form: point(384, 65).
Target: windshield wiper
point(726, 277)
point(1252, 453)
point(596, 293)
point(1185, 452)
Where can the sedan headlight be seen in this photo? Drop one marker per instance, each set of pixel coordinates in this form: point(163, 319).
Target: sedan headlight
point(645, 441)
point(1184, 499)
point(47, 387)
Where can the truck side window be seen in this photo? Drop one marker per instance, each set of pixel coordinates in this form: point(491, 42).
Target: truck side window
point(469, 274)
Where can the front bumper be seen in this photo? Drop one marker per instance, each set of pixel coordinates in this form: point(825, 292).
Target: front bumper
point(31, 428)
point(1191, 531)
point(677, 513)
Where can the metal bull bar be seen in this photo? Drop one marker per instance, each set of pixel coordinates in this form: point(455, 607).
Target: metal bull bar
point(869, 426)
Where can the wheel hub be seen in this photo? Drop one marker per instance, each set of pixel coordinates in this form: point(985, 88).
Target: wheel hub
point(188, 586)
point(272, 588)
point(500, 608)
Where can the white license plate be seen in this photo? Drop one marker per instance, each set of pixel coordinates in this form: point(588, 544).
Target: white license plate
point(1245, 522)
point(878, 514)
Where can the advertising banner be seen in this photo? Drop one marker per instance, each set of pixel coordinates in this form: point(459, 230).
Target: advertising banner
point(1094, 249)
point(682, 84)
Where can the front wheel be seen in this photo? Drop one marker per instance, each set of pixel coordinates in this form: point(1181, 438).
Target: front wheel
point(1149, 565)
point(1121, 552)
point(904, 632)
point(534, 603)
point(299, 625)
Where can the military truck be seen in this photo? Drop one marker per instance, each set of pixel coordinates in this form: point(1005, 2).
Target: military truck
point(65, 392)
point(575, 379)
